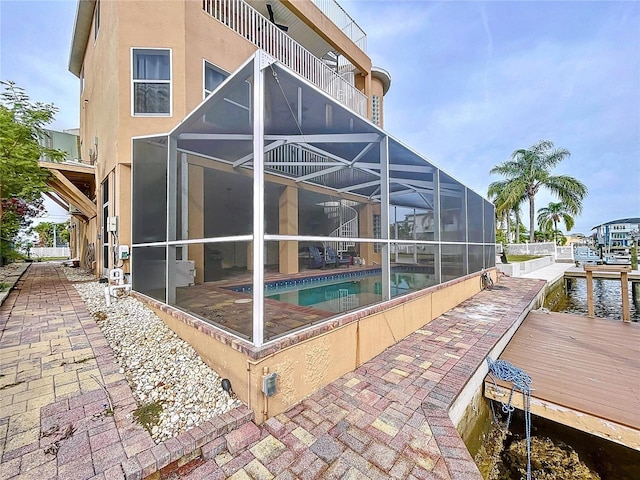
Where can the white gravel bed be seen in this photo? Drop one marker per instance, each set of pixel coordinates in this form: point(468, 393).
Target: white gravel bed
point(78, 274)
point(158, 365)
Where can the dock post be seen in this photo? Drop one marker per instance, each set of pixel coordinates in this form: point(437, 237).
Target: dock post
point(626, 315)
point(624, 284)
point(590, 309)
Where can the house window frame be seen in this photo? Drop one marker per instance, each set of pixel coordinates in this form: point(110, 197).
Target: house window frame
point(206, 63)
point(135, 81)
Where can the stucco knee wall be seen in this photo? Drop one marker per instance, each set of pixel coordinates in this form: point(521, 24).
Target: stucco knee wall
point(310, 364)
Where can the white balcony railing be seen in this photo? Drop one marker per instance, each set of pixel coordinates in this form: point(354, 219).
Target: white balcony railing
point(343, 21)
point(248, 22)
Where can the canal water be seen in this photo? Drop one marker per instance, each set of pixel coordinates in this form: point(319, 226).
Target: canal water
point(609, 460)
point(607, 299)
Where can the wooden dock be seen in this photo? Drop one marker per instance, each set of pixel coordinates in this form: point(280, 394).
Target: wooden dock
point(585, 373)
point(579, 272)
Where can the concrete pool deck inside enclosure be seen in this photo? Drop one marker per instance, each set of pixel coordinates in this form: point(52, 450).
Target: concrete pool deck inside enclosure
point(311, 358)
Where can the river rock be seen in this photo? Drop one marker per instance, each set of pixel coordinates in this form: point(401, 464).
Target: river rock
point(549, 461)
point(158, 365)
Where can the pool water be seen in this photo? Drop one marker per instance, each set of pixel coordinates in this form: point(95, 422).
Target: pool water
point(338, 295)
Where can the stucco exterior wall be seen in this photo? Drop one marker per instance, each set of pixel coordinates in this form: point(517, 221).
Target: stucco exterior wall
point(308, 365)
point(106, 121)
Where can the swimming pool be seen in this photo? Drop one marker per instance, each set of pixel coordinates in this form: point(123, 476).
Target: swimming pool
point(342, 292)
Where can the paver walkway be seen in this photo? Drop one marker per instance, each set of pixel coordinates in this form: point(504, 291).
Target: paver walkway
point(54, 418)
point(388, 419)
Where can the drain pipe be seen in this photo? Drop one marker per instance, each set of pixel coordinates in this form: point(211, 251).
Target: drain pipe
point(249, 384)
point(265, 410)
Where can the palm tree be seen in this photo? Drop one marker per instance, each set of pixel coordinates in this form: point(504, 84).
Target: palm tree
point(552, 215)
point(498, 193)
point(529, 170)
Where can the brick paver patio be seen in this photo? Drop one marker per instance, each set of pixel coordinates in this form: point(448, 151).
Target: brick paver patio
point(388, 419)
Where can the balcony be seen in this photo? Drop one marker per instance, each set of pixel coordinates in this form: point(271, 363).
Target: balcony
point(250, 24)
point(343, 21)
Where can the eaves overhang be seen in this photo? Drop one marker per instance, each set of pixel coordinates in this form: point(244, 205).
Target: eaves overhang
point(81, 33)
point(72, 182)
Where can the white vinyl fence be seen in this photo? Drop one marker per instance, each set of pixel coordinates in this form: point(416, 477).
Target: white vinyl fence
point(540, 249)
point(546, 248)
point(50, 252)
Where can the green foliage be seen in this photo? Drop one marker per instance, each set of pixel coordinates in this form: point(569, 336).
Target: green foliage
point(45, 230)
point(549, 217)
point(528, 171)
point(521, 258)
point(148, 414)
point(22, 180)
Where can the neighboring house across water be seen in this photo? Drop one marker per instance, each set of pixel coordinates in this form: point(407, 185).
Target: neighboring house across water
point(577, 239)
point(237, 168)
point(617, 235)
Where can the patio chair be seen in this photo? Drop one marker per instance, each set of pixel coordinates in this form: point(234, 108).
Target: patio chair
point(334, 259)
point(316, 260)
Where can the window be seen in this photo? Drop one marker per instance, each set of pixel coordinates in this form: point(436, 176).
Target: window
point(377, 232)
point(151, 82)
point(213, 76)
point(96, 20)
point(82, 80)
point(375, 109)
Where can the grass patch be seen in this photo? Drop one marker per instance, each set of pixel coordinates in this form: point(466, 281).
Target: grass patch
point(521, 258)
point(148, 415)
point(4, 286)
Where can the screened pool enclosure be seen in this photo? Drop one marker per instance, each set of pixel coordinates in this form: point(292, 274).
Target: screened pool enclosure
point(272, 208)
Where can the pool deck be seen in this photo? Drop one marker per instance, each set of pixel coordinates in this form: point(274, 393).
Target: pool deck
point(388, 419)
point(216, 303)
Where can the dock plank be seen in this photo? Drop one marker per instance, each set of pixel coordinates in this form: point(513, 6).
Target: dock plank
point(590, 365)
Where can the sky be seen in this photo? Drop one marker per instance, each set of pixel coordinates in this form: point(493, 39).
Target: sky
point(472, 81)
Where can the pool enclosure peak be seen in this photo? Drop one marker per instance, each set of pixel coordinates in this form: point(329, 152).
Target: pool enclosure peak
point(268, 169)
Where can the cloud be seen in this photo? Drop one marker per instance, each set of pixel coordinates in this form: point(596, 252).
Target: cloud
point(567, 72)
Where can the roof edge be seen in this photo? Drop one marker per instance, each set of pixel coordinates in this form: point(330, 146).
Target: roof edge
point(81, 32)
point(384, 76)
point(631, 220)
